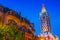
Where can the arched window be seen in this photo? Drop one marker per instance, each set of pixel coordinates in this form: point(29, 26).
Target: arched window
point(12, 23)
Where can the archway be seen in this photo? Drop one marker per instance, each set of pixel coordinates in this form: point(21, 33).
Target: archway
point(10, 17)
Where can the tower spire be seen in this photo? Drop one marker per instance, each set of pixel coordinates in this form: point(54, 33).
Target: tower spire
point(45, 22)
point(43, 8)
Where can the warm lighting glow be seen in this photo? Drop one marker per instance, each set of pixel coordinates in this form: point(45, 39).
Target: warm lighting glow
point(45, 29)
point(43, 8)
point(55, 38)
point(42, 39)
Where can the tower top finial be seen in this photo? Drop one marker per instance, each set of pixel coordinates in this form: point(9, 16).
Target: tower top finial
point(43, 8)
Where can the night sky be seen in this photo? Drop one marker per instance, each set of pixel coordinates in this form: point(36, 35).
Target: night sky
point(31, 9)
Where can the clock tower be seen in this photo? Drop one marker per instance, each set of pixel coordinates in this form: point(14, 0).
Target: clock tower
point(45, 21)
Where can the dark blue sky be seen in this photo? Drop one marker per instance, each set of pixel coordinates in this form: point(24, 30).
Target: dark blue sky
point(31, 9)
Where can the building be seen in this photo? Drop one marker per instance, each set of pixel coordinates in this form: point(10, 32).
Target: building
point(46, 31)
point(11, 17)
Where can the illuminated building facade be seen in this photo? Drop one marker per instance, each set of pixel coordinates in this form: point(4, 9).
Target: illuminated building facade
point(11, 17)
point(46, 33)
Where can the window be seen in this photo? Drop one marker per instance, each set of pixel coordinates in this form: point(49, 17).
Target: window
point(11, 22)
point(29, 31)
point(43, 17)
point(22, 29)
